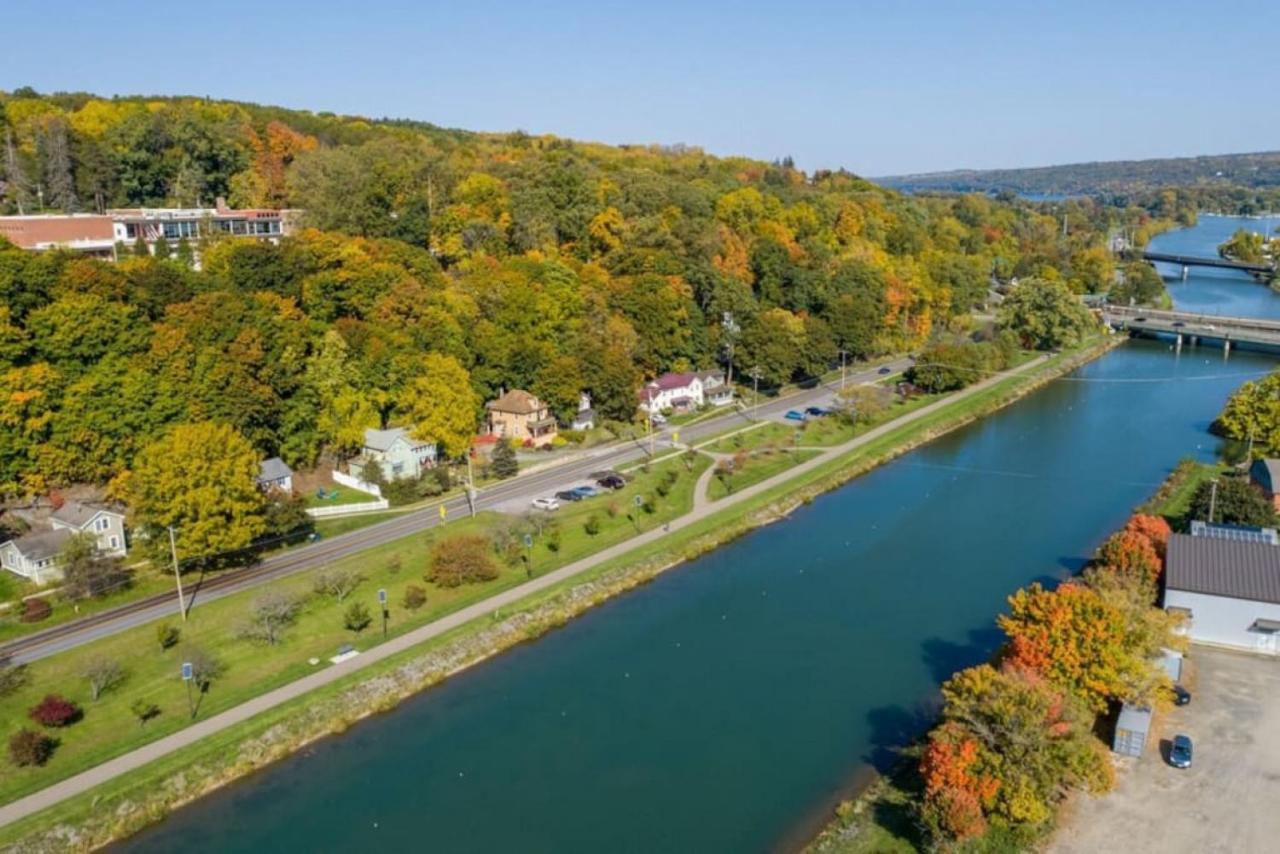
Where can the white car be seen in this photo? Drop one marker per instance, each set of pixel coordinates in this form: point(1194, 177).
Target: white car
point(546, 504)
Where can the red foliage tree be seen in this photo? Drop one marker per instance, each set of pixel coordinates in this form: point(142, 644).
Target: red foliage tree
point(1154, 528)
point(954, 794)
point(55, 711)
point(1132, 553)
point(27, 747)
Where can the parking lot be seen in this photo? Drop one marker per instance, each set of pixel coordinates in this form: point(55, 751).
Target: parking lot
point(1228, 801)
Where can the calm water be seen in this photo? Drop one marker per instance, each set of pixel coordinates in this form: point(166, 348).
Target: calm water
point(1214, 291)
point(719, 708)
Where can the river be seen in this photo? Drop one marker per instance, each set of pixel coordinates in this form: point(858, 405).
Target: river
point(724, 706)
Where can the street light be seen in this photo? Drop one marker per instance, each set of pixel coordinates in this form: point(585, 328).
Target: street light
point(528, 555)
point(382, 600)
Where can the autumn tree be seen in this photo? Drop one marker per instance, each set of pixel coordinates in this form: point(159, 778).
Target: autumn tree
point(199, 479)
point(462, 559)
point(1045, 314)
point(441, 406)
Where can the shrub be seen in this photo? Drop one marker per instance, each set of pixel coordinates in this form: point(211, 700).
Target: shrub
point(167, 636)
point(553, 540)
point(12, 676)
point(461, 560)
point(395, 564)
point(612, 509)
point(144, 710)
point(357, 617)
point(591, 525)
point(35, 610)
point(338, 583)
point(269, 615)
point(55, 711)
point(27, 747)
point(414, 597)
point(103, 674)
point(205, 667)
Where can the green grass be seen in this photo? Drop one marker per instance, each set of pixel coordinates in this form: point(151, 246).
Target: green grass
point(1173, 500)
point(108, 727)
point(346, 495)
point(88, 743)
point(342, 524)
point(754, 468)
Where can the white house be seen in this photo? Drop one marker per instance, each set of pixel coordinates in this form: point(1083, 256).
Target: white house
point(585, 418)
point(685, 392)
point(35, 556)
point(106, 526)
point(396, 453)
point(1228, 589)
point(273, 473)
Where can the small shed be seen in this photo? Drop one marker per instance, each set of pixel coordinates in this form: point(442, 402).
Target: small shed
point(1131, 730)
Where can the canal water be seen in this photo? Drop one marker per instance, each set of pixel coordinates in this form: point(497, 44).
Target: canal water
point(721, 707)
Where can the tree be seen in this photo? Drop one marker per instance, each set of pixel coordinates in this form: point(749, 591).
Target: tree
point(167, 636)
point(1252, 414)
point(205, 667)
point(103, 674)
point(1045, 314)
point(459, 560)
point(414, 597)
point(28, 747)
point(1131, 553)
point(338, 583)
point(57, 167)
point(591, 525)
point(954, 788)
point(12, 676)
point(503, 464)
point(144, 710)
point(89, 574)
point(357, 617)
point(861, 404)
point(440, 405)
point(1231, 501)
point(54, 711)
point(201, 480)
point(269, 615)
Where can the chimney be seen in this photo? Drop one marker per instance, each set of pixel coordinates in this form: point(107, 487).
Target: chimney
point(221, 205)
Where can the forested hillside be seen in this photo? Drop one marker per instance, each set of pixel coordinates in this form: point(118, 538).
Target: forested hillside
point(1223, 178)
point(440, 266)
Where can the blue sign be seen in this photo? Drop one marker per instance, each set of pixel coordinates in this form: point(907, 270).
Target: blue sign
point(382, 596)
point(187, 671)
point(528, 541)
point(639, 499)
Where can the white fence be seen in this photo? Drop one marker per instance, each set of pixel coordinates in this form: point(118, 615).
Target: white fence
point(346, 509)
point(356, 483)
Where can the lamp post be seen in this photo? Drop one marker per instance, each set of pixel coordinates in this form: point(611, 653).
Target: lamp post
point(382, 601)
point(528, 555)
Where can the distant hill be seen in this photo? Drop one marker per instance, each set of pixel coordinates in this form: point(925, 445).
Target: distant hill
point(1261, 169)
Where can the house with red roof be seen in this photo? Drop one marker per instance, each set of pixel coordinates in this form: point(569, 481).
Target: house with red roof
point(685, 392)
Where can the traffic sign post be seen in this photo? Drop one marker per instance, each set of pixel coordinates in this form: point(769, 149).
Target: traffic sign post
point(382, 600)
point(639, 502)
point(188, 676)
point(528, 555)
point(444, 513)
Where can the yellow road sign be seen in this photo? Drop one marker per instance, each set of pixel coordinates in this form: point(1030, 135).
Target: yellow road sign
point(443, 513)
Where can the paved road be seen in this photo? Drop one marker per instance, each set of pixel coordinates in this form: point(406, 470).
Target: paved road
point(135, 759)
point(519, 490)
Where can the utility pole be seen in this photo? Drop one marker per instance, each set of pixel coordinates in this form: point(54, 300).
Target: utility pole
point(471, 486)
point(755, 392)
point(843, 355)
point(648, 418)
point(1213, 499)
point(177, 576)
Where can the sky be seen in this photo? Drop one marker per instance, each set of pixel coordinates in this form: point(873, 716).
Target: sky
point(879, 88)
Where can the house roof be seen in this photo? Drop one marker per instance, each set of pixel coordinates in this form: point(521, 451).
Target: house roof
point(1134, 718)
point(43, 544)
point(1266, 473)
point(668, 382)
point(77, 514)
point(382, 440)
point(273, 469)
point(1247, 533)
point(1230, 568)
point(517, 401)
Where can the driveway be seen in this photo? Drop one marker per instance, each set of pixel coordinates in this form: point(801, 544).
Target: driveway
point(1228, 801)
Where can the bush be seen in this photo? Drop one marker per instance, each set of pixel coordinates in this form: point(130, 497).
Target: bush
point(12, 676)
point(553, 540)
point(55, 711)
point(591, 525)
point(35, 610)
point(414, 597)
point(167, 636)
point(103, 674)
point(144, 710)
point(357, 617)
point(395, 564)
point(461, 560)
point(28, 747)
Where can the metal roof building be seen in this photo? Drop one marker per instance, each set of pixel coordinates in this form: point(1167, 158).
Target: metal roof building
point(1229, 588)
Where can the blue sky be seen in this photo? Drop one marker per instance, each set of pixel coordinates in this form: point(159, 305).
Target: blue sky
point(879, 88)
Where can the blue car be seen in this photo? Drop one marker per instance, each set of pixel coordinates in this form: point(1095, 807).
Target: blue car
point(1180, 752)
point(795, 415)
point(585, 491)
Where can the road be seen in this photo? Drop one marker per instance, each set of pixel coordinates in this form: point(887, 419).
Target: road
point(69, 635)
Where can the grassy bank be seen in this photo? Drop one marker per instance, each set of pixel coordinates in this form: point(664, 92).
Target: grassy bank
point(131, 801)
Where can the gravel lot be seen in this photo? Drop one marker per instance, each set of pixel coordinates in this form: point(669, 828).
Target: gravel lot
point(1228, 801)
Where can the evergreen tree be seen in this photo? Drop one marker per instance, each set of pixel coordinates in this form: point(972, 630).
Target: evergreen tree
point(504, 463)
point(57, 167)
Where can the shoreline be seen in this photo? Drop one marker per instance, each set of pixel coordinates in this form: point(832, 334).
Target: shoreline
point(147, 794)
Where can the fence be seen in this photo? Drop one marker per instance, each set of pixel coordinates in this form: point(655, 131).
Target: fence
point(346, 509)
point(356, 483)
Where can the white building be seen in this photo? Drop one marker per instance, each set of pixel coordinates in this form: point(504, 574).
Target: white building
point(274, 473)
point(396, 454)
point(35, 555)
point(1229, 591)
point(685, 392)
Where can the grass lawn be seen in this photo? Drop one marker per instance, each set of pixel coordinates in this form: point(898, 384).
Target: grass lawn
point(1174, 499)
point(756, 467)
point(345, 495)
point(251, 668)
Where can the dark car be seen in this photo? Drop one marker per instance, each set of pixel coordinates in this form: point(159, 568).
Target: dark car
point(1180, 752)
point(569, 495)
point(817, 411)
point(1177, 323)
point(612, 481)
point(1181, 696)
point(1139, 320)
point(885, 370)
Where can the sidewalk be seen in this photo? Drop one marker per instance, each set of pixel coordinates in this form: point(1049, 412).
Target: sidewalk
point(135, 759)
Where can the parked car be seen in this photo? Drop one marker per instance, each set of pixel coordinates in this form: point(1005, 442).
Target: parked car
point(585, 491)
point(658, 419)
point(1177, 323)
point(795, 415)
point(1180, 752)
point(1139, 320)
point(569, 495)
point(546, 504)
point(817, 411)
point(1181, 696)
point(612, 481)
point(885, 370)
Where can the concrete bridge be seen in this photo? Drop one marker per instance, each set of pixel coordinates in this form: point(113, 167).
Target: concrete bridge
point(1191, 328)
point(1259, 270)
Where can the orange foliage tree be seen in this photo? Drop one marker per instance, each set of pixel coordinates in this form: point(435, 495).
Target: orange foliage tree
point(953, 792)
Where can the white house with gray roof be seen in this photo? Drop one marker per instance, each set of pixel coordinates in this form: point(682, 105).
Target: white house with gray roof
point(274, 473)
point(1228, 589)
point(35, 555)
point(397, 454)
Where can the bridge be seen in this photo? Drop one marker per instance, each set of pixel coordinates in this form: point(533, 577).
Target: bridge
point(1189, 261)
point(1192, 328)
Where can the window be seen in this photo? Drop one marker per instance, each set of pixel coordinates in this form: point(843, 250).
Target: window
point(397, 468)
point(115, 541)
point(102, 524)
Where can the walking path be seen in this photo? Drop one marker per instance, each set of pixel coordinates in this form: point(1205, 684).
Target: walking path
point(702, 508)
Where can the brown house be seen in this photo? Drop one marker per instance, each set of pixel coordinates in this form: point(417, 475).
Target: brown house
point(520, 416)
